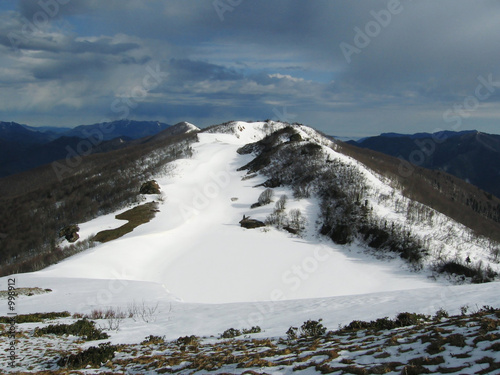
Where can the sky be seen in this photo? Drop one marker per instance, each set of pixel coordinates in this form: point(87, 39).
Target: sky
point(347, 68)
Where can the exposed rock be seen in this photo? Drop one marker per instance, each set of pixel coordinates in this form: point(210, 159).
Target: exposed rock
point(291, 230)
point(70, 232)
point(273, 182)
point(248, 223)
point(150, 187)
point(340, 234)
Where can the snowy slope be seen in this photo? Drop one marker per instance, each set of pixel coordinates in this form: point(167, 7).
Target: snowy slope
point(208, 274)
point(196, 249)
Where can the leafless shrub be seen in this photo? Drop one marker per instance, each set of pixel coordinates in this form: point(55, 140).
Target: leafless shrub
point(265, 197)
point(301, 191)
point(95, 314)
point(145, 312)
point(114, 318)
point(281, 203)
point(297, 220)
point(277, 219)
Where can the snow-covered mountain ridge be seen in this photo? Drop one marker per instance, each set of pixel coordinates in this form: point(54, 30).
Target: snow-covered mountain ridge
point(205, 273)
point(196, 235)
point(353, 195)
point(197, 250)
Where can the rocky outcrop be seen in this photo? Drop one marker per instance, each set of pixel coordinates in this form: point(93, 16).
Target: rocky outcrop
point(248, 223)
point(150, 187)
point(70, 232)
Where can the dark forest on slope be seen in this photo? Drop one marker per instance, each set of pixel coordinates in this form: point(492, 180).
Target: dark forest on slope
point(35, 205)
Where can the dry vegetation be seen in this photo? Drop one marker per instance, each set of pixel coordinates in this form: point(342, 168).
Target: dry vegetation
point(135, 217)
point(25, 292)
point(408, 344)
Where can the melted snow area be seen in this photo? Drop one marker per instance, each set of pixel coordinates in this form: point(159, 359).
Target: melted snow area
point(208, 274)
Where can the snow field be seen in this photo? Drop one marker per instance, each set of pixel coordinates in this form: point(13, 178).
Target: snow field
point(197, 250)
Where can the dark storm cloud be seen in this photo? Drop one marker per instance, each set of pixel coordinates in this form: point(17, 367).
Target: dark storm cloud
point(438, 50)
point(55, 9)
point(414, 60)
point(18, 34)
point(189, 70)
point(70, 69)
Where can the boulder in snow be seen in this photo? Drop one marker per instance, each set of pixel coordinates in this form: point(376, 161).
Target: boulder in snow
point(150, 187)
point(248, 223)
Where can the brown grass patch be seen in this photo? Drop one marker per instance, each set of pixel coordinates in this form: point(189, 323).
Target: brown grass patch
point(135, 217)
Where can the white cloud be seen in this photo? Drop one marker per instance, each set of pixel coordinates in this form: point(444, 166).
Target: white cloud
point(286, 76)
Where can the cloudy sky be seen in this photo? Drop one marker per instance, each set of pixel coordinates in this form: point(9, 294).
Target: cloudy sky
point(348, 68)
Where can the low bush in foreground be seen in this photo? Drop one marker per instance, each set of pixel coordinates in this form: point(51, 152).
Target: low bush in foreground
point(152, 339)
point(93, 356)
point(35, 317)
point(402, 320)
point(84, 328)
point(310, 329)
point(477, 273)
point(231, 332)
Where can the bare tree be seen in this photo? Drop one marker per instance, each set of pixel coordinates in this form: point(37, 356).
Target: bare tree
point(145, 312)
point(297, 221)
point(281, 203)
point(265, 197)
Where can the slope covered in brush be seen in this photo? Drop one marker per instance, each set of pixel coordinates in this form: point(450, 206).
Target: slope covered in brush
point(36, 205)
point(470, 155)
point(358, 203)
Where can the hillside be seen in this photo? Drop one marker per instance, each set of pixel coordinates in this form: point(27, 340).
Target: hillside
point(120, 128)
point(26, 147)
point(333, 237)
point(36, 204)
point(470, 155)
point(328, 192)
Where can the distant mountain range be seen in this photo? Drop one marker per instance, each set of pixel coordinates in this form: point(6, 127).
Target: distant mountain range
point(121, 128)
point(24, 147)
point(470, 155)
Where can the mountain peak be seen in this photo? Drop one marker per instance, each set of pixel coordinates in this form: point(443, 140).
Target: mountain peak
point(187, 125)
